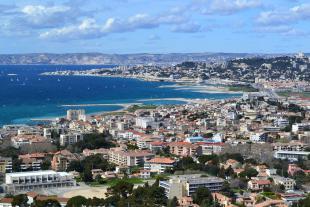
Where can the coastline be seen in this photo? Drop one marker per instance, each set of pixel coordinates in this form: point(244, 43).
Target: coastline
point(124, 108)
point(180, 84)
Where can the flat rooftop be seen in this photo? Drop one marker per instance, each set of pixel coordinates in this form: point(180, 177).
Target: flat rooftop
point(35, 173)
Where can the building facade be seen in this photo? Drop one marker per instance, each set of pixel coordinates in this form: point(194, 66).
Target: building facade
point(29, 181)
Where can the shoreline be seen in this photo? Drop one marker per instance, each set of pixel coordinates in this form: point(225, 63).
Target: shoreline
point(179, 84)
point(123, 109)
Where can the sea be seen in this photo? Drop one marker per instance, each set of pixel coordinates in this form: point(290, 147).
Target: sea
point(26, 95)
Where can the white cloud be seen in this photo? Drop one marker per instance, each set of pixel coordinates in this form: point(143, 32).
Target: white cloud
point(90, 28)
point(187, 28)
point(292, 15)
point(224, 7)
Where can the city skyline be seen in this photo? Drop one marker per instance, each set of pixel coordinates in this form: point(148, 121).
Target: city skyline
point(138, 26)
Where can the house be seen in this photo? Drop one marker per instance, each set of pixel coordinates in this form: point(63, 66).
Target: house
point(231, 163)
point(145, 174)
point(288, 183)
point(246, 199)
point(291, 198)
point(156, 146)
point(258, 185)
point(6, 202)
point(61, 160)
point(223, 200)
point(187, 201)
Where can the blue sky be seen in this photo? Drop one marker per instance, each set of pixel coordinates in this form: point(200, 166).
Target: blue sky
point(154, 26)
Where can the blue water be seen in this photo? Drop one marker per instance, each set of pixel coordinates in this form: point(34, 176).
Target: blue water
point(27, 95)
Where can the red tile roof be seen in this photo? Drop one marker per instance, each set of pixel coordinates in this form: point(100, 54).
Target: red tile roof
point(161, 160)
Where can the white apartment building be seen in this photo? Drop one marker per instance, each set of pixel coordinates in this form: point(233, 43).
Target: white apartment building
point(145, 122)
point(186, 185)
point(281, 122)
point(297, 127)
point(258, 137)
point(291, 155)
point(159, 164)
point(47, 133)
point(211, 148)
point(30, 181)
point(76, 115)
point(29, 131)
point(292, 146)
point(130, 158)
point(70, 138)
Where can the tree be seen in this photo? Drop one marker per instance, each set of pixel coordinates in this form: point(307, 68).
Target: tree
point(87, 175)
point(20, 200)
point(122, 189)
point(77, 201)
point(305, 202)
point(93, 141)
point(16, 164)
point(202, 196)
point(95, 202)
point(46, 164)
point(173, 202)
point(157, 194)
point(249, 173)
point(47, 203)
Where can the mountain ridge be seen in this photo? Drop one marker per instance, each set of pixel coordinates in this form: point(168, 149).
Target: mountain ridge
point(95, 58)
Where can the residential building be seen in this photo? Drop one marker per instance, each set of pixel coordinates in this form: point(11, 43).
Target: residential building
point(28, 181)
point(186, 185)
point(130, 158)
point(70, 138)
point(258, 185)
point(223, 200)
point(297, 127)
point(5, 165)
point(291, 146)
point(6, 202)
point(159, 164)
point(21, 140)
point(288, 183)
point(30, 164)
point(61, 160)
point(291, 155)
point(76, 115)
point(187, 201)
point(194, 140)
point(211, 148)
point(183, 149)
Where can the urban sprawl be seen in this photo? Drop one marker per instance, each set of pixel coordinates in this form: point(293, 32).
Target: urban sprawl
point(252, 150)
